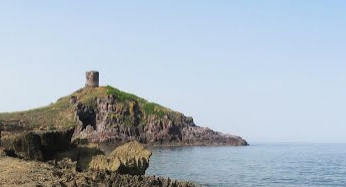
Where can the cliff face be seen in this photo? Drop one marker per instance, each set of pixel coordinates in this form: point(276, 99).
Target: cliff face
point(114, 119)
point(108, 115)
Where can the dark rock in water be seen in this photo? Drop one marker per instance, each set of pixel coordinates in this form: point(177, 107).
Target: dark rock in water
point(131, 158)
point(38, 146)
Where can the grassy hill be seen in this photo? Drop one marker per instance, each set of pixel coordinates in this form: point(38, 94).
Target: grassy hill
point(107, 114)
point(61, 114)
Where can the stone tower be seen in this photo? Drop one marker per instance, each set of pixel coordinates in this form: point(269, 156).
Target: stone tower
point(92, 79)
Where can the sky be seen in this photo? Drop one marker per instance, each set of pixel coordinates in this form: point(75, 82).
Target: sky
point(268, 71)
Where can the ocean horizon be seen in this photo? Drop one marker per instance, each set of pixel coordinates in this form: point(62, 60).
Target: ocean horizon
point(260, 164)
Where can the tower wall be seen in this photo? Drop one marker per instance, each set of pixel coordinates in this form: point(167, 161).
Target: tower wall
point(92, 79)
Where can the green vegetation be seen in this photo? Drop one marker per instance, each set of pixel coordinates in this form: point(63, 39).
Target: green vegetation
point(123, 96)
point(153, 108)
point(147, 107)
point(61, 114)
point(87, 95)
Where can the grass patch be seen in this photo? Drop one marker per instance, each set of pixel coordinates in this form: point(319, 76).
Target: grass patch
point(148, 108)
point(55, 116)
point(123, 96)
point(87, 96)
point(59, 115)
point(153, 108)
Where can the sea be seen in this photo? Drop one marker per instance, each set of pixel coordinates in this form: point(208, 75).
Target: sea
point(261, 164)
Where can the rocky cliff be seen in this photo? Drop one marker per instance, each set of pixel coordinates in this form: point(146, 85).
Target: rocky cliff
point(108, 115)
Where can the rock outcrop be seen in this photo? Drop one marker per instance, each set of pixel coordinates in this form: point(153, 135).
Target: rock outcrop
point(108, 115)
point(131, 158)
point(17, 172)
point(40, 146)
point(63, 132)
point(114, 120)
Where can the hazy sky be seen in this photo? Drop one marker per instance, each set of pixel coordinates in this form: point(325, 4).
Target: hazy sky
point(272, 71)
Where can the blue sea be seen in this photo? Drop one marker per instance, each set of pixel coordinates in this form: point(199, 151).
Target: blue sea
point(255, 165)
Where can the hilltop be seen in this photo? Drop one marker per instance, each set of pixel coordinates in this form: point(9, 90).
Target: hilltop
point(108, 115)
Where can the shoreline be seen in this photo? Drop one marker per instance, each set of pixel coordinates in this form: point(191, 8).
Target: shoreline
point(20, 172)
point(107, 148)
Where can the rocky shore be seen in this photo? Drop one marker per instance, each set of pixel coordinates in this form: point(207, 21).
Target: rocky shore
point(25, 160)
point(21, 173)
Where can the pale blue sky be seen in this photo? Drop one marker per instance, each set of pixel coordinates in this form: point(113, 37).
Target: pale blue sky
point(270, 71)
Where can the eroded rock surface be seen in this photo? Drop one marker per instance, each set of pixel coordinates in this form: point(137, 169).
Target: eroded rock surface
point(131, 158)
point(21, 173)
point(116, 122)
point(38, 146)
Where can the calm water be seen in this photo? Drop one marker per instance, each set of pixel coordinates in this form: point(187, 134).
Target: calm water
point(255, 165)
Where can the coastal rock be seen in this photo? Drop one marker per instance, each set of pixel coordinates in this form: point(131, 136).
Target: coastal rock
point(131, 158)
point(17, 172)
point(38, 146)
point(116, 122)
point(106, 163)
point(108, 115)
point(205, 136)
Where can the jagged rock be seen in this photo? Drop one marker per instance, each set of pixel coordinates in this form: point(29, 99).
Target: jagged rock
point(17, 172)
point(38, 146)
point(28, 146)
point(117, 122)
point(108, 115)
point(102, 162)
point(131, 158)
point(134, 156)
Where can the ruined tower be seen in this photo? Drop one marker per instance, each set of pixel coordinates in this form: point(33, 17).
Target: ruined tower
point(92, 79)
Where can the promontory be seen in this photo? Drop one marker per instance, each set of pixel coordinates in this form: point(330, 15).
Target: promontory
point(62, 144)
point(109, 115)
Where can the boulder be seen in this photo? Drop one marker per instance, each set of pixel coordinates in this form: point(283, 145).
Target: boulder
point(106, 163)
point(131, 158)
